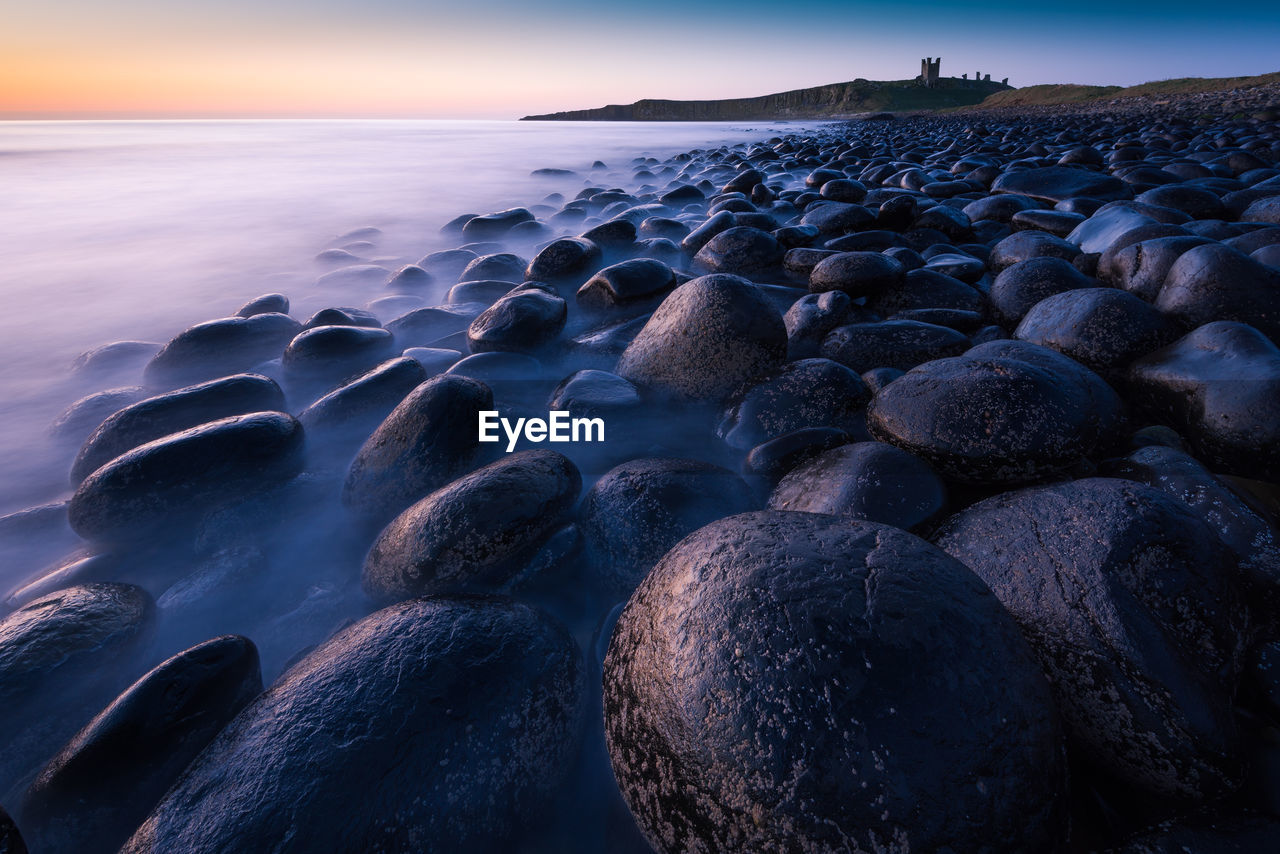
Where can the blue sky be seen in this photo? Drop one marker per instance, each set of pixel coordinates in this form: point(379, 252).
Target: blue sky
point(496, 58)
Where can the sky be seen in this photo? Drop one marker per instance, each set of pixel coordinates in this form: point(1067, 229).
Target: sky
point(505, 58)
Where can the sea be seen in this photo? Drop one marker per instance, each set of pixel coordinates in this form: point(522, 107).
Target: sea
point(135, 230)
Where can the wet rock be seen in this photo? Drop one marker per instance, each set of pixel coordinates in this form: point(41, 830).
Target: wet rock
point(773, 459)
point(1057, 223)
point(1025, 245)
point(429, 439)
point(615, 235)
point(493, 226)
point(1251, 539)
point(1101, 328)
point(425, 326)
point(447, 265)
point(709, 336)
point(155, 488)
point(811, 317)
point(833, 219)
point(804, 393)
point(1108, 225)
point(858, 274)
point(865, 480)
point(347, 316)
point(1195, 202)
point(1058, 183)
point(1220, 387)
point(361, 405)
point(772, 641)
point(411, 279)
point(501, 266)
point(569, 259)
point(1127, 599)
point(927, 289)
point(699, 237)
point(1141, 268)
point(1266, 209)
point(629, 283)
point(1003, 413)
point(85, 415)
point(325, 356)
point(740, 250)
point(98, 789)
point(62, 649)
point(265, 304)
point(1215, 282)
point(637, 511)
point(166, 414)
point(487, 694)
point(476, 533)
point(526, 321)
point(591, 393)
point(900, 344)
point(216, 348)
point(1021, 286)
point(118, 355)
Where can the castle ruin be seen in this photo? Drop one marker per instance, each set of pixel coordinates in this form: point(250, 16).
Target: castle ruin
point(929, 68)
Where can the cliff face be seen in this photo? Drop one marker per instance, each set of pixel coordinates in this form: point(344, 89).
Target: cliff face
point(830, 101)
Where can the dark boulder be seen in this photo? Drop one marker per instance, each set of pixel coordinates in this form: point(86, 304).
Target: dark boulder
point(220, 347)
point(1022, 285)
point(358, 407)
point(59, 654)
point(709, 336)
point(865, 480)
point(157, 488)
point(1127, 599)
point(811, 317)
point(476, 533)
point(636, 282)
point(527, 320)
point(637, 511)
point(430, 438)
point(503, 266)
point(80, 419)
point(740, 250)
point(900, 344)
point(453, 719)
point(1101, 328)
point(493, 226)
point(1252, 540)
point(1025, 245)
point(98, 789)
point(1216, 282)
point(265, 304)
point(1058, 183)
point(1141, 268)
point(858, 274)
point(174, 412)
point(1003, 413)
point(325, 356)
point(1220, 387)
point(805, 393)
point(569, 259)
point(798, 682)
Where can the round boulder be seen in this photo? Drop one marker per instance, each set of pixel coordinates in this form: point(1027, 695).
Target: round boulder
point(798, 682)
point(1128, 600)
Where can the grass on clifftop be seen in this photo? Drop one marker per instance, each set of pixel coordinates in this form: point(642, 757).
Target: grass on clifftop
point(1071, 93)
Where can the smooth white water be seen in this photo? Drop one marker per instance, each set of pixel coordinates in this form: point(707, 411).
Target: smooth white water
point(136, 230)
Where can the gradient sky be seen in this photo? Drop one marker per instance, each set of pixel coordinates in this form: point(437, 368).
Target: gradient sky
point(503, 59)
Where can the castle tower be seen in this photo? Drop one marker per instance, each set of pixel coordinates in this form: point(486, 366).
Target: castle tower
point(929, 68)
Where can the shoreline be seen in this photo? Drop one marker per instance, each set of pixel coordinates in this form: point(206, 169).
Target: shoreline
point(911, 479)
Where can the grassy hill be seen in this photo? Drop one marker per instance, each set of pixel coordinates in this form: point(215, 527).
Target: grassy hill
point(835, 100)
point(1069, 93)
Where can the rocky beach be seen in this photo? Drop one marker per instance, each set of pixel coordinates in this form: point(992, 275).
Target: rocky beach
point(934, 508)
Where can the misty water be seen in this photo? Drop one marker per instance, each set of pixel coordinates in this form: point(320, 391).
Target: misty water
point(135, 230)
